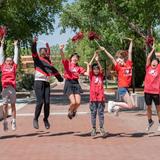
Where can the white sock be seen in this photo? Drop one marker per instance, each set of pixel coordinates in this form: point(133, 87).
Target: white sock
point(13, 120)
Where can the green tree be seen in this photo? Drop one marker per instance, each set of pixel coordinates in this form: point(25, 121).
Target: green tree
point(26, 18)
point(113, 20)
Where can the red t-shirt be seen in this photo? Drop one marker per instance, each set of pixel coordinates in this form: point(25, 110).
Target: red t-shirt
point(8, 75)
point(96, 87)
point(124, 74)
point(152, 80)
point(71, 70)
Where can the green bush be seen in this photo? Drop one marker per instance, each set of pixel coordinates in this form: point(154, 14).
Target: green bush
point(26, 82)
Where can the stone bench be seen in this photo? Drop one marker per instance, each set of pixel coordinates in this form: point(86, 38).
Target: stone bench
point(139, 101)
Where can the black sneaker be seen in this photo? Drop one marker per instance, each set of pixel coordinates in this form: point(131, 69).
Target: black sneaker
point(46, 124)
point(149, 125)
point(35, 124)
point(70, 114)
point(74, 113)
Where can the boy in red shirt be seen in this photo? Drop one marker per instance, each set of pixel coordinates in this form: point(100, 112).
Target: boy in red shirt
point(97, 97)
point(151, 87)
point(123, 66)
point(8, 69)
point(72, 88)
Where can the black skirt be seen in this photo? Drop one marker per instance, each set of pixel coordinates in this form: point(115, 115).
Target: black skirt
point(72, 87)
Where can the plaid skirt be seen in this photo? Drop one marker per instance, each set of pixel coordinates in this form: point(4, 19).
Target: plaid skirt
point(72, 87)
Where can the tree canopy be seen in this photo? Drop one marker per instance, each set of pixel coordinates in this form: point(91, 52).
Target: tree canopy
point(24, 18)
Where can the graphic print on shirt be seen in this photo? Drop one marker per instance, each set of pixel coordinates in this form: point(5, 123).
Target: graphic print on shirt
point(127, 71)
point(153, 72)
point(97, 80)
point(8, 68)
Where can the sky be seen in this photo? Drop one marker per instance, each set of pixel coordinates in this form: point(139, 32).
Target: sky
point(56, 37)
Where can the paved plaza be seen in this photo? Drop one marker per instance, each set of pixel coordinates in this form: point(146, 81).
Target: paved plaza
point(71, 140)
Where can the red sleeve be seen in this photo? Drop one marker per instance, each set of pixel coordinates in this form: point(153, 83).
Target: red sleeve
point(116, 67)
point(15, 65)
point(48, 49)
point(65, 61)
point(90, 75)
point(81, 70)
point(129, 63)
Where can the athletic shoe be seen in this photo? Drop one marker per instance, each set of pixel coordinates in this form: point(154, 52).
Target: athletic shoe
point(102, 132)
point(46, 124)
point(93, 132)
point(110, 106)
point(158, 129)
point(74, 113)
point(5, 125)
point(70, 114)
point(116, 110)
point(13, 124)
point(35, 124)
point(149, 126)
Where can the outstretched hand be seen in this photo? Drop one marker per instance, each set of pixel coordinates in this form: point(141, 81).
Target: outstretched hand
point(130, 39)
point(35, 39)
point(15, 42)
point(61, 47)
point(2, 41)
point(102, 48)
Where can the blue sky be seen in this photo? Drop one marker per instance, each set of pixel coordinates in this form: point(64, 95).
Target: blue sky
point(56, 37)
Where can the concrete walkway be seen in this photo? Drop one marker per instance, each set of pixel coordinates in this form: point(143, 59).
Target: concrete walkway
point(70, 139)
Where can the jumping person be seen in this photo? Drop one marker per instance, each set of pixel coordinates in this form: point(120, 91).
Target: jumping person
point(151, 87)
point(123, 66)
point(72, 88)
point(97, 97)
point(43, 70)
point(8, 69)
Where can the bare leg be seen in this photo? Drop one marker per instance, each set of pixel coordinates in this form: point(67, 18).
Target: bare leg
point(149, 112)
point(158, 111)
point(128, 102)
point(78, 101)
point(72, 102)
point(5, 111)
point(13, 106)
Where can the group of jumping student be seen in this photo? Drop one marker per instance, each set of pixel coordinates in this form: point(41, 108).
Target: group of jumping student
point(44, 69)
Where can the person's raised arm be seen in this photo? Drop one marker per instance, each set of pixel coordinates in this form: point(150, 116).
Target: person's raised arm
point(2, 52)
point(90, 63)
point(48, 49)
point(99, 64)
point(109, 55)
point(34, 47)
point(61, 48)
point(130, 49)
point(15, 59)
point(148, 60)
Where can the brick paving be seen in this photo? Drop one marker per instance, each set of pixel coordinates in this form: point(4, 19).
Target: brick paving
point(70, 139)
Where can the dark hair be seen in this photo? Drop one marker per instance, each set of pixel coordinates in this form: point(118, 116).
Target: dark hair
point(155, 59)
point(95, 66)
point(75, 54)
point(42, 49)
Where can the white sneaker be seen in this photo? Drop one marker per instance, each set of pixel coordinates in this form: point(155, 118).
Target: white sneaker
point(13, 124)
point(116, 110)
point(5, 125)
point(110, 106)
point(158, 129)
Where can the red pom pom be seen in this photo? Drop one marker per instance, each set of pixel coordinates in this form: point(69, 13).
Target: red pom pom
point(78, 36)
point(92, 36)
point(3, 31)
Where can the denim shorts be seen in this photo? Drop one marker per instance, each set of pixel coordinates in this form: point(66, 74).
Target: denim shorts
point(122, 91)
